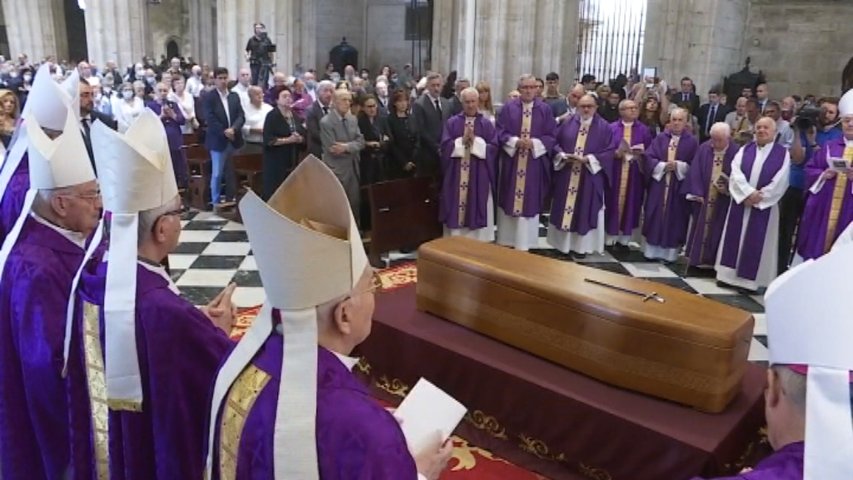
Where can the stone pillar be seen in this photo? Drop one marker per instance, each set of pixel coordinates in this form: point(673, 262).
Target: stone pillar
point(117, 30)
point(700, 40)
point(509, 38)
point(37, 28)
point(202, 31)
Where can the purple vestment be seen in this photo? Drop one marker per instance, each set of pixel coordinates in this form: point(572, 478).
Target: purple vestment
point(13, 198)
point(784, 464)
point(811, 242)
point(34, 293)
point(176, 140)
point(537, 173)
point(482, 174)
point(666, 225)
point(746, 258)
point(624, 223)
point(356, 438)
point(589, 198)
point(179, 351)
point(702, 245)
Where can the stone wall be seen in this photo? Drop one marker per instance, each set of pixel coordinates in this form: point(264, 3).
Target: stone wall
point(385, 31)
point(168, 20)
point(337, 19)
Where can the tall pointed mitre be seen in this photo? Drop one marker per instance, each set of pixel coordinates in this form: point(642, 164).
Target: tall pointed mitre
point(323, 261)
point(816, 333)
point(136, 175)
point(54, 163)
point(845, 105)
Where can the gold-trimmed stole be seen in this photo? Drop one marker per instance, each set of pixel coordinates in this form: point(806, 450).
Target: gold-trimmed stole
point(711, 202)
point(465, 174)
point(670, 157)
point(241, 397)
point(838, 195)
point(623, 180)
point(97, 386)
point(574, 180)
point(521, 169)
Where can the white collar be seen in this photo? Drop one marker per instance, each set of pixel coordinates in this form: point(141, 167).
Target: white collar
point(159, 270)
point(766, 145)
point(848, 143)
point(76, 238)
point(628, 124)
point(349, 362)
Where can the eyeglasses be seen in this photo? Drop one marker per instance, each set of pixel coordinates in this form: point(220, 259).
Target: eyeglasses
point(375, 285)
point(96, 195)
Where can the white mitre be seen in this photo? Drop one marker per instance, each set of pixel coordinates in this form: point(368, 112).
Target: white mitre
point(323, 261)
point(810, 322)
point(845, 105)
point(136, 175)
point(53, 163)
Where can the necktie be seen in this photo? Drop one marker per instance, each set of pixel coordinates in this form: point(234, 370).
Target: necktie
point(87, 140)
point(437, 106)
point(683, 97)
point(325, 110)
point(712, 113)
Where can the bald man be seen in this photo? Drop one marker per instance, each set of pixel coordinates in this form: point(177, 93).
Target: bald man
point(748, 255)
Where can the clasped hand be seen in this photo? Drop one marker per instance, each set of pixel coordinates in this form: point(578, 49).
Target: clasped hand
point(221, 310)
point(338, 148)
point(754, 198)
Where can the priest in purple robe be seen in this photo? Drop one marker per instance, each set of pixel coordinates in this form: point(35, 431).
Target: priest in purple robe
point(469, 172)
point(829, 203)
point(285, 403)
point(142, 360)
point(623, 194)
point(526, 135)
point(748, 252)
point(583, 158)
point(707, 188)
point(39, 259)
point(809, 382)
point(666, 212)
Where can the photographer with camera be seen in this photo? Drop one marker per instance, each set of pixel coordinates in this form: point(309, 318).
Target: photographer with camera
point(259, 50)
point(814, 127)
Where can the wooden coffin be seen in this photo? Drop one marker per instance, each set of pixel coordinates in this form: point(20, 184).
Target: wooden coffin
point(690, 349)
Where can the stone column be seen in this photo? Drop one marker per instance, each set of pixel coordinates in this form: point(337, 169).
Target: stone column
point(202, 31)
point(32, 28)
point(509, 38)
point(701, 40)
point(117, 30)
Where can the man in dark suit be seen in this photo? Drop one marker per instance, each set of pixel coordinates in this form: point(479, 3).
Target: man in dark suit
point(224, 116)
point(88, 115)
point(429, 113)
point(711, 113)
point(687, 98)
point(318, 110)
point(456, 99)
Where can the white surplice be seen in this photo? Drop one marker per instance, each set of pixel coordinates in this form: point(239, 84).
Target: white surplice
point(740, 188)
point(487, 233)
point(592, 241)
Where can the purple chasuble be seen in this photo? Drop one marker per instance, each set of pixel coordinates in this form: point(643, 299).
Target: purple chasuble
point(753, 239)
point(666, 225)
point(537, 172)
point(701, 250)
point(589, 198)
point(624, 223)
point(784, 464)
point(811, 240)
point(13, 198)
point(179, 351)
point(482, 175)
point(356, 437)
point(34, 441)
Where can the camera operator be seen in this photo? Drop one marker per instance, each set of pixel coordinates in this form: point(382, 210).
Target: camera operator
point(813, 128)
point(259, 50)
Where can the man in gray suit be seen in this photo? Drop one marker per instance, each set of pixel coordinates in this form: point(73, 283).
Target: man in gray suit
point(318, 110)
point(429, 113)
point(342, 142)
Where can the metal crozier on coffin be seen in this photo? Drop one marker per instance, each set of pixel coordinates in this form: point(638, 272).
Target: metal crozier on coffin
point(687, 349)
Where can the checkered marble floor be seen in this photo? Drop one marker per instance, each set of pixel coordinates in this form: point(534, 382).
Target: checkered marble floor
point(214, 252)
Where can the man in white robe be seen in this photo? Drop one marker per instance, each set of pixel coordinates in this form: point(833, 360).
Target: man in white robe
point(748, 258)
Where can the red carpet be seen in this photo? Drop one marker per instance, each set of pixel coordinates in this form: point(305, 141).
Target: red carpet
point(469, 462)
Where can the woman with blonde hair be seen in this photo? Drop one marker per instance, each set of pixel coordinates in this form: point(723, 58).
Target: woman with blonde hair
point(8, 115)
point(486, 106)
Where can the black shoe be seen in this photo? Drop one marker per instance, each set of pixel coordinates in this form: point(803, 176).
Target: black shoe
point(578, 256)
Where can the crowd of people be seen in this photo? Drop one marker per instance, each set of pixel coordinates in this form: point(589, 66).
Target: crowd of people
point(107, 373)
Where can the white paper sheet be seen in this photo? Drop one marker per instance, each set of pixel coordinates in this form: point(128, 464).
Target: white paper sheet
point(425, 411)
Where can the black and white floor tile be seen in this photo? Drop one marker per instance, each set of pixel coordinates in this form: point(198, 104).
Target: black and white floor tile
point(214, 251)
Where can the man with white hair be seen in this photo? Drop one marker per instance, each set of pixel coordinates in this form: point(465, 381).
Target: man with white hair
point(319, 109)
point(382, 98)
point(195, 84)
point(285, 403)
point(310, 85)
point(469, 172)
point(748, 255)
point(244, 81)
point(583, 160)
point(808, 395)
point(666, 213)
point(38, 262)
point(140, 359)
point(342, 144)
point(707, 188)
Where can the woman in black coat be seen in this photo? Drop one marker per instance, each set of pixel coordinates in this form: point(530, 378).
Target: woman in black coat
point(404, 140)
point(376, 140)
point(283, 134)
